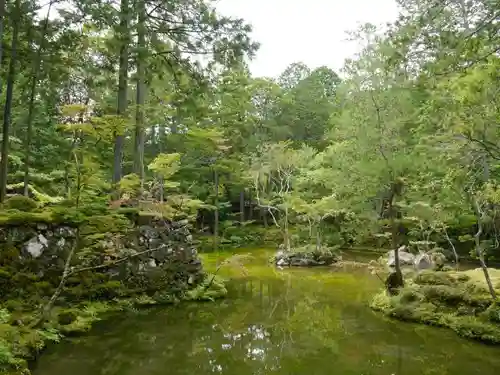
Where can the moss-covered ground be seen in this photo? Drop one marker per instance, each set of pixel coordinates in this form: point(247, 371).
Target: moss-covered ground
point(458, 300)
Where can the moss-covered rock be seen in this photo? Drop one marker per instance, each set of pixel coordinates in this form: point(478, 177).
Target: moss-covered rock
point(456, 300)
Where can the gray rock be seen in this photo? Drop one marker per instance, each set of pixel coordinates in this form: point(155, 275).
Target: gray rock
point(149, 232)
point(281, 263)
point(61, 242)
point(405, 258)
point(303, 259)
point(280, 255)
point(423, 261)
point(66, 232)
point(42, 226)
point(36, 246)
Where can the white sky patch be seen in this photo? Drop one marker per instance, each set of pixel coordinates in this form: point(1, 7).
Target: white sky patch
point(308, 31)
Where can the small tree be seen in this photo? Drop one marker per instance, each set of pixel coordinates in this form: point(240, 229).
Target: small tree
point(274, 171)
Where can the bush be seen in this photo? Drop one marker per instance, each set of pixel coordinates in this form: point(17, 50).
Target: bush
point(21, 203)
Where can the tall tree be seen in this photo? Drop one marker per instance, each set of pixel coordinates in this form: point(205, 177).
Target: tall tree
point(7, 113)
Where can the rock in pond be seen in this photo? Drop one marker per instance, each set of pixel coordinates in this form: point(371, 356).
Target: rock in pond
point(304, 259)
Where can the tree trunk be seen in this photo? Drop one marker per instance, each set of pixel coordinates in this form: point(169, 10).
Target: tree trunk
point(216, 210)
point(479, 252)
point(263, 213)
point(318, 238)
point(455, 254)
point(242, 206)
point(286, 232)
point(161, 140)
point(396, 280)
point(250, 205)
point(124, 40)
point(2, 14)
point(31, 106)
point(11, 78)
point(141, 91)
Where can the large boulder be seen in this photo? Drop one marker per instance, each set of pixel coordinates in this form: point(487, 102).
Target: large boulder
point(405, 258)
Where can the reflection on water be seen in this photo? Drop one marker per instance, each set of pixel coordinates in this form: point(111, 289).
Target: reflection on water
point(311, 322)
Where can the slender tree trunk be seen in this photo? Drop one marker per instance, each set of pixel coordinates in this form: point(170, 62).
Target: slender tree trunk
point(242, 206)
point(318, 238)
point(263, 213)
point(216, 210)
point(2, 14)
point(398, 280)
point(286, 232)
point(8, 104)
point(250, 206)
point(31, 107)
point(141, 91)
point(124, 40)
point(455, 254)
point(161, 140)
point(479, 251)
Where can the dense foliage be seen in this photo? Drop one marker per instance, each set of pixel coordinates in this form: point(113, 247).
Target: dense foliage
point(152, 103)
point(103, 101)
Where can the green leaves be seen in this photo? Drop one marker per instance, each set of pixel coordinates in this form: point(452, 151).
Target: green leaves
point(165, 165)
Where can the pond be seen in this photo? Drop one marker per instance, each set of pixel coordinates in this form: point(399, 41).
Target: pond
point(293, 322)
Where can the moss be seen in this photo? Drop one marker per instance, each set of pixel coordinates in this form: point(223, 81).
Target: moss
point(105, 224)
point(21, 203)
point(476, 278)
point(212, 288)
point(474, 328)
point(19, 343)
point(453, 300)
point(39, 196)
point(435, 278)
point(67, 316)
point(492, 313)
point(69, 216)
point(16, 217)
point(443, 294)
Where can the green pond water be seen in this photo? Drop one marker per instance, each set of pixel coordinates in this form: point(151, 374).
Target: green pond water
point(294, 321)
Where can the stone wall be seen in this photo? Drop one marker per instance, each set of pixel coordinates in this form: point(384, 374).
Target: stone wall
point(114, 255)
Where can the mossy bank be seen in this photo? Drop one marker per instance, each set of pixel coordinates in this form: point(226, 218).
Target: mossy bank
point(456, 300)
point(63, 268)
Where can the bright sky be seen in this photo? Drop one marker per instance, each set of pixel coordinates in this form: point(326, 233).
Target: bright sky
point(308, 31)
